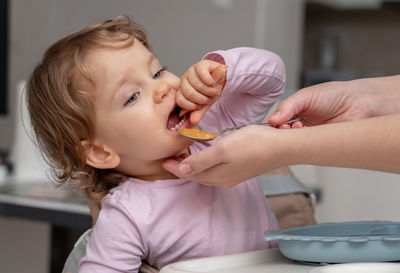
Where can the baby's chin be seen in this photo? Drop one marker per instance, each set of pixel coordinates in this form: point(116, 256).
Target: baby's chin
point(182, 146)
point(183, 153)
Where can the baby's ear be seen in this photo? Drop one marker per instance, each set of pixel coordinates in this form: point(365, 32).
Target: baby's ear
point(100, 156)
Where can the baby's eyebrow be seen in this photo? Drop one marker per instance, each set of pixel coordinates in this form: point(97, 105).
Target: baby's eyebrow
point(116, 88)
point(151, 59)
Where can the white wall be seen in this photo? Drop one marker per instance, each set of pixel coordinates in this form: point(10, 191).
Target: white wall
point(352, 194)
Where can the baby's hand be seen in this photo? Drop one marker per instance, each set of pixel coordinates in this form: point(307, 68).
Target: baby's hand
point(200, 87)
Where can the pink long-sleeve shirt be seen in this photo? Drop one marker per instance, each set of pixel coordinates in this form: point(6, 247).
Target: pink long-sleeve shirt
point(172, 220)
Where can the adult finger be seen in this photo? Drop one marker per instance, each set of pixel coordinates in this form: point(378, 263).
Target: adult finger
point(290, 107)
point(201, 161)
point(297, 124)
point(173, 166)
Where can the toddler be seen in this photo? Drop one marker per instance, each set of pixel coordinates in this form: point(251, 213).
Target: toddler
point(105, 113)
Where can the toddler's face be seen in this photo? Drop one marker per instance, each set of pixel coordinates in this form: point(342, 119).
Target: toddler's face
point(134, 98)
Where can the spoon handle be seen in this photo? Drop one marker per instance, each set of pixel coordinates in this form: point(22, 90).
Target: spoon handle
point(266, 124)
point(285, 122)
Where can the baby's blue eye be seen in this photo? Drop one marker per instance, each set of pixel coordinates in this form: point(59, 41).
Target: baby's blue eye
point(158, 74)
point(132, 99)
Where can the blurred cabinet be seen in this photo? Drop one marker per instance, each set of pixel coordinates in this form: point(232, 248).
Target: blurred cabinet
point(350, 4)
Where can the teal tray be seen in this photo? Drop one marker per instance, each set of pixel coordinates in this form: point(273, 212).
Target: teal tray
point(365, 241)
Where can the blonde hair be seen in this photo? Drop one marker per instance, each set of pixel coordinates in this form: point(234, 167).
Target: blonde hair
point(61, 112)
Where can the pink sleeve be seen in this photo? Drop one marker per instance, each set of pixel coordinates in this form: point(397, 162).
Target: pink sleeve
point(255, 80)
point(115, 244)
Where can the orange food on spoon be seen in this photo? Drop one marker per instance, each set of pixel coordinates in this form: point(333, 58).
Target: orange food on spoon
point(196, 133)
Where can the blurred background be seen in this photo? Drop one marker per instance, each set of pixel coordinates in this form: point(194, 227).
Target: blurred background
point(319, 41)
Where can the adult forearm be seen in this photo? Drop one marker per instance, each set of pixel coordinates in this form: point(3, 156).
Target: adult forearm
point(368, 144)
point(381, 96)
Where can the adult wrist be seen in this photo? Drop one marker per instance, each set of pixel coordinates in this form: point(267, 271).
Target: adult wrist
point(380, 96)
point(283, 150)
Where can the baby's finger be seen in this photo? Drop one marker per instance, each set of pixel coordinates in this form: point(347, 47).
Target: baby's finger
point(219, 74)
point(183, 112)
point(197, 115)
point(203, 72)
point(184, 103)
point(191, 94)
point(204, 89)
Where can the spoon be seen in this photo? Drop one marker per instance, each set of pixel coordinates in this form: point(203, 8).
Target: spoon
point(199, 135)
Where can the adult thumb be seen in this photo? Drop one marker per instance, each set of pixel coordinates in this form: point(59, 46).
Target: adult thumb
point(201, 161)
point(172, 166)
point(194, 164)
point(289, 108)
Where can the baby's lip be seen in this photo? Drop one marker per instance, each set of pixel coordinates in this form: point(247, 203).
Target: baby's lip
point(174, 121)
point(172, 108)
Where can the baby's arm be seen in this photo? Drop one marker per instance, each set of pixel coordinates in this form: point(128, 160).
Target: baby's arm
point(115, 244)
point(255, 80)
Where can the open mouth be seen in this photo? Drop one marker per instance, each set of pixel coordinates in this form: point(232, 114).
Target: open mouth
point(174, 121)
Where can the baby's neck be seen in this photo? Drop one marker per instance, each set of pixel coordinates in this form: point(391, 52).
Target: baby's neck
point(159, 176)
point(161, 173)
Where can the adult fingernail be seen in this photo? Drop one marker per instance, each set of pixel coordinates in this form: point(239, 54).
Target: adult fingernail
point(185, 168)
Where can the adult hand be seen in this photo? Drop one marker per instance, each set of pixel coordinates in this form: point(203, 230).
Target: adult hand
point(341, 101)
point(253, 150)
point(232, 159)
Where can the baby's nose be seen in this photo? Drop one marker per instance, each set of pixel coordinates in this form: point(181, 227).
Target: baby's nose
point(161, 92)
